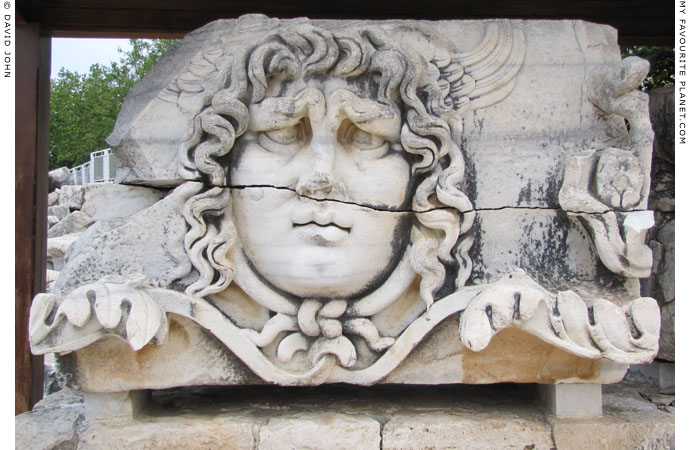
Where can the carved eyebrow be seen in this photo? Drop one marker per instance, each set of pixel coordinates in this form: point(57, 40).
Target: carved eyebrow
point(278, 112)
point(370, 115)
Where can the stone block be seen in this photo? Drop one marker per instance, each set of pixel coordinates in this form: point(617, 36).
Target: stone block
point(182, 431)
point(110, 201)
point(50, 382)
point(51, 275)
point(648, 430)
point(54, 423)
point(59, 211)
point(72, 196)
point(626, 402)
point(144, 115)
point(320, 431)
point(466, 431)
point(58, 178)
point(65, 400)
point(53, 198)
point(75, 222)
point(572, 400)
point(661, 284)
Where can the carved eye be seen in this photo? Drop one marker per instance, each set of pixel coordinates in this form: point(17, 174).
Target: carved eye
point(284, 136)
point(365, 141)
point(286, 140)
point(368, 144)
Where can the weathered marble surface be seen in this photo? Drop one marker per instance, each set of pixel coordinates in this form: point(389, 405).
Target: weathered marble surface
point(361, 202)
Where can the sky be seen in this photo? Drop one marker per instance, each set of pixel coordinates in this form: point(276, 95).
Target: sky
point(78, 54)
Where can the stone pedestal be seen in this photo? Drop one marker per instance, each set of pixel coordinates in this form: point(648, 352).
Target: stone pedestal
point(571, 400)
point(113, 406)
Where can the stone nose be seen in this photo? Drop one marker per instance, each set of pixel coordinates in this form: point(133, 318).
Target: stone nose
point(319, 180)
point(316, 183)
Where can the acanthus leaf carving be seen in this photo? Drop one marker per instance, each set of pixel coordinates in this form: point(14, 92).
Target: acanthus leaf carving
point(593, 329)
point(146, 320)
point(95, 310)
point(109, 313)
point(562, 320)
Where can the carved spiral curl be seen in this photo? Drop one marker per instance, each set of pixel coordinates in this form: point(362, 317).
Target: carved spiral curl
point(404, 78)
point(208, 244)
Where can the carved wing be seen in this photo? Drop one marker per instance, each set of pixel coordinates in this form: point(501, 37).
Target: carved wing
point(485, 75)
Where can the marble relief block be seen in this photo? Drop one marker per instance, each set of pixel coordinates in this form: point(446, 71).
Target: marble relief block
point(369, 202)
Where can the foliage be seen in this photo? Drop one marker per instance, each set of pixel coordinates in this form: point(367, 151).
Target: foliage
point(83, 107)
point(661, 61)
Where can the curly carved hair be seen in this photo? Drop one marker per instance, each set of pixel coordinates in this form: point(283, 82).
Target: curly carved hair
point(431, 131)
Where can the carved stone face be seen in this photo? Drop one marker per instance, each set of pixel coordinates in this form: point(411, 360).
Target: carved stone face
point(333, 228)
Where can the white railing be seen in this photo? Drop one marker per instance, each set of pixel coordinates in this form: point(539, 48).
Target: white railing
point(101, 168)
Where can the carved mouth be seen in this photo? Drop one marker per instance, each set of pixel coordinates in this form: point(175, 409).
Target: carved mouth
point(329, 232)
point(321, 225)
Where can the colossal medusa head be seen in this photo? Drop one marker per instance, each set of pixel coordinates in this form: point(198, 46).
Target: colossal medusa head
point(334, 172)
point(320, 229)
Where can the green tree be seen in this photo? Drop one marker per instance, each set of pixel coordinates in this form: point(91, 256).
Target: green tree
point(83, 107)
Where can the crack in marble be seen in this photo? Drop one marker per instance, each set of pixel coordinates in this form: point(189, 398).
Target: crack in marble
point(398, 210)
